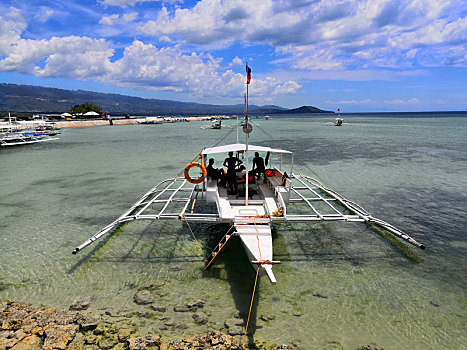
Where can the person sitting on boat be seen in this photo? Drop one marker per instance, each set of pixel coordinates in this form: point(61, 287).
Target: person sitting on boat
point(231, 163)
point(214, 173)
point(258, 166)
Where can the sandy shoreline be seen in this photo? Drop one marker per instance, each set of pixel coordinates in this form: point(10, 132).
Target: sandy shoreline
point(124, 121)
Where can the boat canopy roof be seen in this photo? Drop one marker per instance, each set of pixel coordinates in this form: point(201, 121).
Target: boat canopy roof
point(241, 147)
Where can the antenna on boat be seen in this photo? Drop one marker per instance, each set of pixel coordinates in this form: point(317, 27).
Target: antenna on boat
point(247, 128)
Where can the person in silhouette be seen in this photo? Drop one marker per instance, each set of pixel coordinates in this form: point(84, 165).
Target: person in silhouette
point(231, 163)
point(258, 166)
point(213, 173)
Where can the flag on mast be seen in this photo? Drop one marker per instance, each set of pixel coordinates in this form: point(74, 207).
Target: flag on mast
point(248, 74)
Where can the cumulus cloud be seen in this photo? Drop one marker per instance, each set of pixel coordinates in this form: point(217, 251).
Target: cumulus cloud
point(117, 19)
point(237, 61)
point(124, 3)
point(12, 24)
point(326, 34)
point(142, 66)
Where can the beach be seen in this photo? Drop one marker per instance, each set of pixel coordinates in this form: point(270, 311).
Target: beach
point(82, 123)
point(340, 285)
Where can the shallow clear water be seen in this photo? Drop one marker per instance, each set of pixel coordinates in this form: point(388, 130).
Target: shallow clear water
point(411, 172)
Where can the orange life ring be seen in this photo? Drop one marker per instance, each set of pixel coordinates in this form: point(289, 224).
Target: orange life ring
point(198, 180)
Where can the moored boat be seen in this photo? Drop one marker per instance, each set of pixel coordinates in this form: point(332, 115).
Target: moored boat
point(251, 202)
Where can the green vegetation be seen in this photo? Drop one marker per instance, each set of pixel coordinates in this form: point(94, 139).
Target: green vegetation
point(84, 108)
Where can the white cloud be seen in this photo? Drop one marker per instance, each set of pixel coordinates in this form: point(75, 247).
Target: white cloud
point(350, 102)
point(43, 16)
point(117, 19)
point(12, 24)
point(326, 34)
point(124, 3)
point(143, 66)
point(237, 61)
point(411, 101)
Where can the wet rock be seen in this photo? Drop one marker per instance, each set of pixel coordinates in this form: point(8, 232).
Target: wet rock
point(58, 336)
point(90, 338)
point(145, 342)
point(106, 343)
point(80, 304)
point(267, 318)
point(29, 343)
point(88, 323)
point(142, 313)
point(181, 308)
point(200, 318)
point(369, 347)
point(195, 304)
point(7, 340)
point(143, 297)
point(125, 332)
point(181, 326)
point(213, 340)
point(158, 308)
point(13, 318)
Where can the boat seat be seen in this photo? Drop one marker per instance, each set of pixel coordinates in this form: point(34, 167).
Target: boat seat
point(270, 205)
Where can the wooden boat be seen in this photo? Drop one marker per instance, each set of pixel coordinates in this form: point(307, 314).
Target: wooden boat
point(283, 194)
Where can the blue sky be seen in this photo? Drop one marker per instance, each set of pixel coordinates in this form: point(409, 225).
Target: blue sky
point(369, 55)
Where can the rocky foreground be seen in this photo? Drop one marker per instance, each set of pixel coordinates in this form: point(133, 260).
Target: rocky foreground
point(24, 327)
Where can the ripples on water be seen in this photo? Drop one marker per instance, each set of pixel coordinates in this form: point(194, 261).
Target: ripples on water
point(339, 285)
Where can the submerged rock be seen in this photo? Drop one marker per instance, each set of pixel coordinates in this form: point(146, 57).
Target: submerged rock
point(80, 304)
point(144, 342)
point(200, 318)
point(158, 308)
point(25, 327)
point(369, 347)
point(181, 308)
point(143, 297)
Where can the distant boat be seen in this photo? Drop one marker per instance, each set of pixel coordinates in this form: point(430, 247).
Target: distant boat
point(267, 117)
point(217, 124)
point(339, 120)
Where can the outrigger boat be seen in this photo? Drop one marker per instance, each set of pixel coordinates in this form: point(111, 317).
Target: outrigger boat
point(279, 197)
point(14, 133)
point(217, 124)
point(339, 120)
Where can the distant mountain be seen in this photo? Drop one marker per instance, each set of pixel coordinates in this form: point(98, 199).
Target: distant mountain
point(37, 99)
point(303, 109)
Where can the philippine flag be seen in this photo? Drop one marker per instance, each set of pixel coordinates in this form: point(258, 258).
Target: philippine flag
point(248, 74)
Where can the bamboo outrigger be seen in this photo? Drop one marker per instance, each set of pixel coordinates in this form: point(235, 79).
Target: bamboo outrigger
point(276, 198)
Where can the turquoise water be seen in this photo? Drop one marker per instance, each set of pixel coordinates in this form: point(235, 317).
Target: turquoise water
point(411, 172)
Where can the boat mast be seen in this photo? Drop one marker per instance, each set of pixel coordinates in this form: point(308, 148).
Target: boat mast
point(247, 129)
